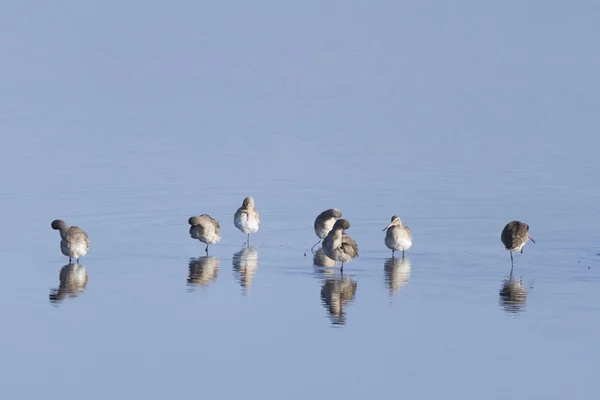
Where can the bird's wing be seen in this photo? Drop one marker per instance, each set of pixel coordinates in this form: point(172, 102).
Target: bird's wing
point(513, 235)
point(75, 235)
point(349, 246)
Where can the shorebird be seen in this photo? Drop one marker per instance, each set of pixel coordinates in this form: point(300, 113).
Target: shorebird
point(246, 218)
point(324, 223)
point(206, 229)
point(514, 236)
point(398, 236)
point(337, 245)
point(74, 241)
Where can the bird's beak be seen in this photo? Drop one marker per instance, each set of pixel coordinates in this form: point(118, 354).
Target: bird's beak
point(386, 228)
point(530, 238)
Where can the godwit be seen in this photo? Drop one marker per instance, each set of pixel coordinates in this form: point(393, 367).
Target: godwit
point(398, 237)
point(324, 223)
point(74, 241)
point(246, 218)
point(206, 229)
point(337, 245)
point(514, 236)
point(73, 279)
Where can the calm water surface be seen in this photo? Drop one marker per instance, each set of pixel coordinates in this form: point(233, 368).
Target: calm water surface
point(464, 126)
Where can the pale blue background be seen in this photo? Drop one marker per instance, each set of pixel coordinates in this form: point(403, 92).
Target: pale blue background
point(126, 118)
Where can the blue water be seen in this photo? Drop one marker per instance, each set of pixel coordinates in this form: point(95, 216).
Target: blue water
point(127, 120)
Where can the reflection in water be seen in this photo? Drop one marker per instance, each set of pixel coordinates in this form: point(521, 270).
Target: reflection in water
point(335, 294)
point(203, 270)
point(397, 273)
point(321, 260)
point(324, 266)
point(73, 279)
point(513, 295)
point(245, 263)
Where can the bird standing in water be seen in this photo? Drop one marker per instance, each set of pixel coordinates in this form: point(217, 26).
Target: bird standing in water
point(74, 241)
point(398, 236)
point(246, 218)
point(206, 229)
point(337, 245)
point(514, 237)
point(324, 223)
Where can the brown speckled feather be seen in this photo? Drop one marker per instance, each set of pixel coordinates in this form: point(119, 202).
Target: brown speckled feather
point(349, 246)
point(77, 235)
point(514, 234)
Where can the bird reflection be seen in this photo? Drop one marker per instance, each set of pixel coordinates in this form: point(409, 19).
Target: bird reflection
point(397, 273)
point(513, 295)
point(321, 260)
point(335, 294)
point(245, 263)
point(73, 279)
point(203, 270)
point(324, 266)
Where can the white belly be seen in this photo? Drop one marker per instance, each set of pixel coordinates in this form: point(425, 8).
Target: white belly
point(245, 223)
point(324, 229)
point(398, 243)
point(208, 235)
point(211, 237)
point(518, 248)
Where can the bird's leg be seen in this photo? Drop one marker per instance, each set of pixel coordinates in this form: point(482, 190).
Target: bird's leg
point(311, 249)
point(402, 253)
point(206, 250)
point(512, 263)
point(248, 242)
point(392, 253)
point(522, 249)
point(342, 268)
point(77, 260)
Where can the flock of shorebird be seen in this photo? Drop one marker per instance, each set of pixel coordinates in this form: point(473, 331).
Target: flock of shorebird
point(329, 226)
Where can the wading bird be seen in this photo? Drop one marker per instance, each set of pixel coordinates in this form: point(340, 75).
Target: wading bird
point(74, 241)
point(337, 245)
point(206, 229)
point(324, 223)
point(246, 218)
point(514, 236)
point(398, 236)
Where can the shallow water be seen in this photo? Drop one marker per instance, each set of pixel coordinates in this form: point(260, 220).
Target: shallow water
point(458, 124)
